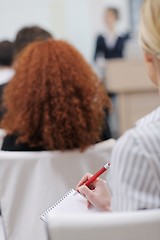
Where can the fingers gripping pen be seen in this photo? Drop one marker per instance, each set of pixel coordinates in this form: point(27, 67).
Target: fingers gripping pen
point(97, 174)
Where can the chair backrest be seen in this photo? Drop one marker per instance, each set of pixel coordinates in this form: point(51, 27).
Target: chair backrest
point(30, 182)
point(140, 225)
point(2, 234)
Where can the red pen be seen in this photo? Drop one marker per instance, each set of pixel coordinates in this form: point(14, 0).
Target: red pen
point(97, 174)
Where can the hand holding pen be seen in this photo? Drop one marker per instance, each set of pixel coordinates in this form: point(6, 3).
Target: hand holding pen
point(97, 174)
point(100, 196)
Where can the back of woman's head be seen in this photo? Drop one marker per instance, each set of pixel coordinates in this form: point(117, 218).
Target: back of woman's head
point(150, 26)
point(55, 99)
point(27, 35)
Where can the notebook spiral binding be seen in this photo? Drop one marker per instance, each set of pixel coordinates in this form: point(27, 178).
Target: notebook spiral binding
point(43, 215)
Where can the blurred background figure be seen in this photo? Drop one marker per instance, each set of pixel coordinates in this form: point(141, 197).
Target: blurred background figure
point(54, 102)
point(6, 71)
point(9, 52)
point(110, 44)
point(27, 35)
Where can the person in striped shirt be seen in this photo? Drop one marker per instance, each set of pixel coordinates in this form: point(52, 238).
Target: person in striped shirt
point(135, 160)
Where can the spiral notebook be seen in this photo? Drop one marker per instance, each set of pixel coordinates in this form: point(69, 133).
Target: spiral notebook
point(69, 203)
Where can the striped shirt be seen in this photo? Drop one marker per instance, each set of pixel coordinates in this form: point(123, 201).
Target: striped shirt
point(135, 167)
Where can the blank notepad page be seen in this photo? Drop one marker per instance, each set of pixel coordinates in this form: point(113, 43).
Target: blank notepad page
point(71, 203)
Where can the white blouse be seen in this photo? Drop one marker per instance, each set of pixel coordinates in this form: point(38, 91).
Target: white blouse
point(135, 167)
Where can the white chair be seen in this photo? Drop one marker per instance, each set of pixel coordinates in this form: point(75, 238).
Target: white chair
point(2, 233)
point(30, 182)
point(140, 225)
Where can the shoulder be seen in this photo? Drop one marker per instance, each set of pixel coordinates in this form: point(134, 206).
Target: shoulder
point(100, 37)
point(136, 150)
point(122, 38)
point(125, 146)
point(146, 130)
point(154, 116)
point(136, 165)
point(139, 142)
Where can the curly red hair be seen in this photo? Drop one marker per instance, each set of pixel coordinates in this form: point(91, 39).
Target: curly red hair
point(55, 99)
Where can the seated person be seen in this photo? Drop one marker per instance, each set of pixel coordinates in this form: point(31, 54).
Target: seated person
point(54, 102)
point(6, 71)
point(10, 51)
point(110, 45)
point(135, 159)
point(27, 35)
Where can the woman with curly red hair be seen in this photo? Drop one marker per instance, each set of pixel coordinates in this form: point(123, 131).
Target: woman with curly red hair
point(54, 102)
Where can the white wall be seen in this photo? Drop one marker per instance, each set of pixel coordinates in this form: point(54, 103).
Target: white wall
point(15, 14)
point(71, 21)
point(77, 21)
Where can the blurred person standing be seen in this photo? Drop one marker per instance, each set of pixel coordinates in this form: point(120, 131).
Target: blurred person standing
point(6, 70)
point(110, 45)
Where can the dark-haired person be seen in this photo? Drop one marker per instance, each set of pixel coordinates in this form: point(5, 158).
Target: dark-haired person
point(54, 102)
point(27, 35)
point(6, 71)
point(9, 52)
